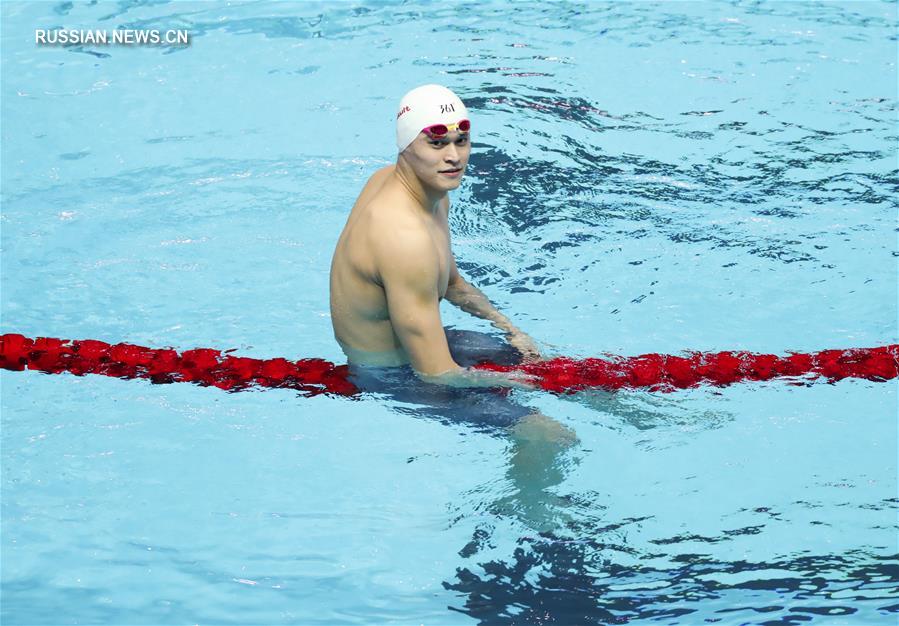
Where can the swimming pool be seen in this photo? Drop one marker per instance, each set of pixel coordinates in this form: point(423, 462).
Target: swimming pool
point(644, 178)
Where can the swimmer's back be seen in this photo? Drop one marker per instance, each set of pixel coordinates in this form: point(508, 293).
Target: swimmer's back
point(359, 310)
point(358, 304)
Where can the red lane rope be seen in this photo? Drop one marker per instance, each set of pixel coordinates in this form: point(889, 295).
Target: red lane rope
point(202, 366)
point(657, 372)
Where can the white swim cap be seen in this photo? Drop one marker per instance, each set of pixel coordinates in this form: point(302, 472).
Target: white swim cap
point(424, 106)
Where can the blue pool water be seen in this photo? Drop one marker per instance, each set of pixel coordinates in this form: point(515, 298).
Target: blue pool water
point(645, 177)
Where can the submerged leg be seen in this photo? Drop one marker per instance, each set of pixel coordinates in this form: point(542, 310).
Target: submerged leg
point(538, 427)
point(536, 464)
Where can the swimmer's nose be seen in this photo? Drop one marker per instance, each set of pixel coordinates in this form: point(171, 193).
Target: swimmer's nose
point(452, 155)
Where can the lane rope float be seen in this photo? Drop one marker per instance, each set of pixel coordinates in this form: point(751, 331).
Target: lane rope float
point(310, 377)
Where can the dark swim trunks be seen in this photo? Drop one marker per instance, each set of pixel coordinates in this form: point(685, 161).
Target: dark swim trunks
point(478, 406)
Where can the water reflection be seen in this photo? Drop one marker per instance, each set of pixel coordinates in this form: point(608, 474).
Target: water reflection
point(550, 581)
point(574, 563)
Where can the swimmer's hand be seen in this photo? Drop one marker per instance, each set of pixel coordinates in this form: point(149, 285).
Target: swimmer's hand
point(524, 344)
point(470, 377)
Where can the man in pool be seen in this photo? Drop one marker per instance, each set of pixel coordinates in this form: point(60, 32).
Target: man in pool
point(393, 264)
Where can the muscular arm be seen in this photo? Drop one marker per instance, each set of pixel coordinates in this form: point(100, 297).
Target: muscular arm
point(409, 270)
point(472, 300)
point(466, 296)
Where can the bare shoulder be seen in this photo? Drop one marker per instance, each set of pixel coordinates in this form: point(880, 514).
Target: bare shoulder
point(407, 258)
point(397, 231)
point(377, 179)
point(374, 185)
point(401, 244)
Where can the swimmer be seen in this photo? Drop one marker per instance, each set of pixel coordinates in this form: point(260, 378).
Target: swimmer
point(393, 263)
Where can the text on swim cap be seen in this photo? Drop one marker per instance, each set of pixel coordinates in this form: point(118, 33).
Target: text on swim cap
point(405, 109)
point(447, 108)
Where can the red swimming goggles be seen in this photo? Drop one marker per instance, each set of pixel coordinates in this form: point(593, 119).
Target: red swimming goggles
point(440, 131)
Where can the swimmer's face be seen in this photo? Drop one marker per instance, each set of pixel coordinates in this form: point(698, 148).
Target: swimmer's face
point(440, 163)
